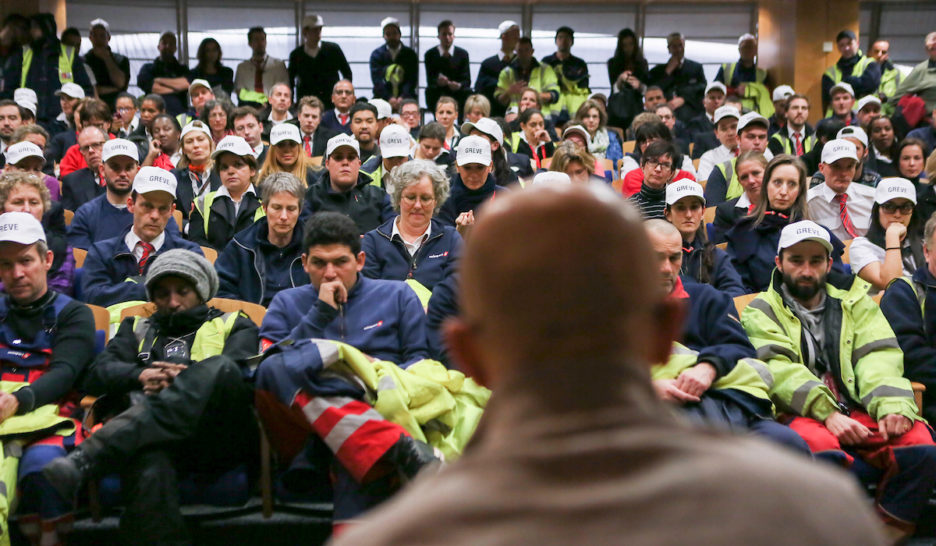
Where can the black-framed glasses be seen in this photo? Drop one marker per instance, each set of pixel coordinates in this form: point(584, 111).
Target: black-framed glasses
point(891, 207)
point(662, 164)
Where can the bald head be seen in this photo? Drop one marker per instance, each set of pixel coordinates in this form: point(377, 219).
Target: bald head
point(559, 274)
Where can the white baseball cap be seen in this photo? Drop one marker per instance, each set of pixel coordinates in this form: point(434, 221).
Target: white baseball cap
point(716, 85)
point(25, 94)
point(866, 100)
point(149, 179)
point(576, 129)
point(394, 141)
point(473, 149)
point(782, 92)
point(506, 26)
point(844, 86)
point(341, 141)
point(752, 118)
point(20, 228)
point(838, 149)
point(726, 111)
point(72, 90)
point(195, 125)
point(684, 188)
point(804, 230)
point(551, 177)
point(313, 21)
point(119, 146)
point(384, 110)
point(854, 132)
point(233, 144)
point(20, 151)
point(198, 82)
point(894, 188)
point(487, 126)
point(390, 21)
point(99, 23)
point(285, 131)
point(31, 106)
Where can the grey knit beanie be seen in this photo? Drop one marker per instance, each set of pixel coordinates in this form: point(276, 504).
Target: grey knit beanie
point(186, 264)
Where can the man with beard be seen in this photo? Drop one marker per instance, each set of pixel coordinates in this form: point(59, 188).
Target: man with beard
point(796, 137)
point(85, 184)
point(11, 119)
point(394, 67)
point(838, 375)
point(364, 128)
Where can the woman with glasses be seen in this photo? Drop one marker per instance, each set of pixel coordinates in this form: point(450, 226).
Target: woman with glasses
point(893, 246)
point(414, 245)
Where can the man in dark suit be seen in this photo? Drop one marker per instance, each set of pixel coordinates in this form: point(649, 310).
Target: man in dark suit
point(314, 135)
point(85, 184)
point(394, 67)
point(314, 66)
point(682, 80)
point(447, 70)
point(338, 119)
point(490, 70)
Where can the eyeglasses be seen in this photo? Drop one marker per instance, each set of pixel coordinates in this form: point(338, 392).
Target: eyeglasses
point(92, 146)
point(343, 92)
point(411, 199)
point(891, 208)
point(661, 164)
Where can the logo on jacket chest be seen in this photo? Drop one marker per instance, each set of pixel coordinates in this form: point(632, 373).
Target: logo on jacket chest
point(377, 324)
point(439, 255)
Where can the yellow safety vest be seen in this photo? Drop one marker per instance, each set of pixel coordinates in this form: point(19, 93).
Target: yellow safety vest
point(209, 339)
point(249, 95)
point(728, 70)
point(835, 73)
point(66, 60)
point(787, 142)
point(733, 187)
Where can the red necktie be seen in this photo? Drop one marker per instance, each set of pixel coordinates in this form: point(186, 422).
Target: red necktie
point(343, 118)
point(148, 250)
point(306, 145)
point(843, 214)
point(799, 144)
point(736, 151)
point(101, 180)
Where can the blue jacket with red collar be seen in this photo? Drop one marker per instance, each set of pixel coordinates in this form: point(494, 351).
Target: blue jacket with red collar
point(387, 258)
point(111, 272)
point(381, 318)
point(713, 327)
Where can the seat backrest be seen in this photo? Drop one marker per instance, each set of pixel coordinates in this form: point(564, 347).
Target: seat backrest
point(210, 253)
point(254, 311)
point(80, 254)
point(316, 161)
point(101, 319)
point(709, 215)
point(845, 253)
point(141, 310)
point(628, 146)
point(618, 186)
point(69, 215)
point(177, 214)
point(741, 302)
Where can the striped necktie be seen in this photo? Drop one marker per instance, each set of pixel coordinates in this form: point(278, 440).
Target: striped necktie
point(843, 214)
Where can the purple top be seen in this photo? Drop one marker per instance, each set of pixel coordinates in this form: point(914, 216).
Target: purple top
point(55, 190)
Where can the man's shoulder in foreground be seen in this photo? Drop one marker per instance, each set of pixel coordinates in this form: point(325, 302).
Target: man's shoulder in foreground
point(638, 485)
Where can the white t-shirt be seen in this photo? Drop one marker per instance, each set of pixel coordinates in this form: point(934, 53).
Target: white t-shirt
point(863, 252)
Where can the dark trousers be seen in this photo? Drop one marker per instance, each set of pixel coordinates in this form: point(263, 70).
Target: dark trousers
point(203, 421)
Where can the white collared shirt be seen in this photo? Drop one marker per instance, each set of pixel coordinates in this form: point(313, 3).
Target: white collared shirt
point(132, 240)
point(395, 51)
point(711, 158)
point(338, 114)
point(824, 209)
point(880, 156)
point(288, 117)
point(224, 191)
point(258, 150)
point(205, 182)
point(176, 157)
point(743, 202)
point(413, 247)
point(443, 52)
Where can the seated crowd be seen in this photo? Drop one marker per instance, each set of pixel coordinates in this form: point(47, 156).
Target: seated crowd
point(345, 219)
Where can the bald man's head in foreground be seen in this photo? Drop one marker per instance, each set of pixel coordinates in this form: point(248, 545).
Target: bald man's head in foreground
point(556, 278)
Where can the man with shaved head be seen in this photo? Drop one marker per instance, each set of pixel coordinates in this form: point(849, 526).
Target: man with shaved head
point(575, 446)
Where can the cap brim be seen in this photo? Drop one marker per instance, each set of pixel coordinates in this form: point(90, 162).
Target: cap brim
point(340, 146)
point(394, 152)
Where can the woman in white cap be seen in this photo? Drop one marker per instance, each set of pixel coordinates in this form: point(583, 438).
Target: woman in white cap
point(446, 113)
point(25, 192)
point(195, 174)
point(414, 245)
point(24, 156)
point(893, 246)
point(702, 260)
point(491, 130)
point(286, 155)
point(235, 206)
point(602, 143)
point(752, 242)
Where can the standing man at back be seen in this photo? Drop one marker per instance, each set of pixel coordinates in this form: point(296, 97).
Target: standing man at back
point(166, 76)
point(111, 70)
point(394, 67)
point(256, 76)
point(682, 80)
point(555, 433)
point(890, 74)
point(859, 71)
point(447, 70)
point(314, 66)
point(745, 79)
point(572, 73)
point(486, 83)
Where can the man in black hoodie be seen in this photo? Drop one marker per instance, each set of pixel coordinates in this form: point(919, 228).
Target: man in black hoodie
point(40, 67)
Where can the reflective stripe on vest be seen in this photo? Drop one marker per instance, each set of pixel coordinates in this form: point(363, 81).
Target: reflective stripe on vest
point(733, 187)
point(65, 62)
point(249, 95)
point(205, 208)
point(890, 79)
point(783, 138)
point(835, 74)
point(209, 339)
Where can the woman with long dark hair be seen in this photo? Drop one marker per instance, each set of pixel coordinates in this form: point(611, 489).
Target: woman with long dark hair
point(893, 246)
point(209, 66)
point(535, 141)
point(628, 65)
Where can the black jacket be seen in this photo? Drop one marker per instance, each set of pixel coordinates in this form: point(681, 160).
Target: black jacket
point(687, 81)
point(366, 204)
point(222, 222)
point(317, 76)
point(455, 68)
point(185, 196)
point(80, 187)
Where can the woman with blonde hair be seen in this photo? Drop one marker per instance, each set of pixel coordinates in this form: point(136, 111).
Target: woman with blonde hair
point(286, 155)
point(195, 173)
point(575, 161)
point(602, 143)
